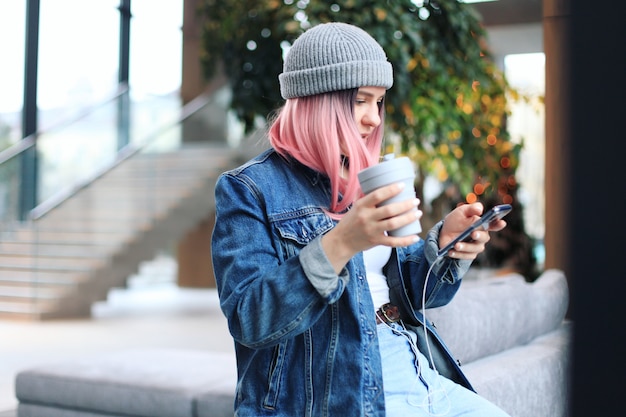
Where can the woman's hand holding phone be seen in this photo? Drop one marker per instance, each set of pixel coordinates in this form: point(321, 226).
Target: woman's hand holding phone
point(471, 239)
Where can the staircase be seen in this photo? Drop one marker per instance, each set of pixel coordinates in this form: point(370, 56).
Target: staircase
point(60, 264)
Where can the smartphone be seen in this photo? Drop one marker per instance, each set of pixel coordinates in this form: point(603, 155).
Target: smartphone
point(495, 213)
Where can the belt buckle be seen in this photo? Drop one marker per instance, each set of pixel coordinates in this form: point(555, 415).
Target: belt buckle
point(390, 313)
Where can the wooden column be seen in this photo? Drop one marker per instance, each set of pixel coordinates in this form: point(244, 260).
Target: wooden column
point(193, 251)
point(195, 269)
point(557, 98)
point(192, 83)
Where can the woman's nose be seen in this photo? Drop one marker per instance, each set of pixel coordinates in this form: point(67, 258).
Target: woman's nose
point(372, 117)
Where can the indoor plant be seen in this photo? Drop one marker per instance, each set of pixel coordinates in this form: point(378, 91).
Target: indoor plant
point(447, 110)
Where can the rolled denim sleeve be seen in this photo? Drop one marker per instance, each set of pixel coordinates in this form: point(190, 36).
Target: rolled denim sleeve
point(321, 273)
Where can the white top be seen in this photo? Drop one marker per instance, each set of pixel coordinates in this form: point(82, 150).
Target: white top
point(375, 259)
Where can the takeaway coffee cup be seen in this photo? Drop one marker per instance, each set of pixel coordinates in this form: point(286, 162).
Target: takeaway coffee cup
point(390, 171)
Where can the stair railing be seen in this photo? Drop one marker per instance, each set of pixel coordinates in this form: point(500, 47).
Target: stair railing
point(141, 138)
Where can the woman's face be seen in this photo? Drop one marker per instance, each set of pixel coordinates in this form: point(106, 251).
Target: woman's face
point(367, 109)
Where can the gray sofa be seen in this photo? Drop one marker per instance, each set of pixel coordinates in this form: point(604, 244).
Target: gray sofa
point(512, 341)
point(509, 335)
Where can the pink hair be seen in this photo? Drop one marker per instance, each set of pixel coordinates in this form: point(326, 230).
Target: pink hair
point(319, 131)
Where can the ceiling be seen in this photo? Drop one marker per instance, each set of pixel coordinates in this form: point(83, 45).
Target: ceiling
point(510, 12)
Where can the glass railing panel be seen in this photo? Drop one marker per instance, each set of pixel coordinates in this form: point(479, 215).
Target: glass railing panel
point(205, 120)
point(10, 173)
point(152, 114)
point(74, 154)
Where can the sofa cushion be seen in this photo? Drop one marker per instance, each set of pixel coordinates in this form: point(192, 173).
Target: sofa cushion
point(491, 315)
point(37, 410)
point(216, 404)
point(144, 383)
point(530, 380)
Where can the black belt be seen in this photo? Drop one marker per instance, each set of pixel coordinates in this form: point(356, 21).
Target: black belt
point(387, 313)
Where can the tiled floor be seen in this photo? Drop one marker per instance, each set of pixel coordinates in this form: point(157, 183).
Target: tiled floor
point(161, 315)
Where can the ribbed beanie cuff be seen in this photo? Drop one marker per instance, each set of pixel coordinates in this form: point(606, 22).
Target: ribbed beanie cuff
point(333, 57)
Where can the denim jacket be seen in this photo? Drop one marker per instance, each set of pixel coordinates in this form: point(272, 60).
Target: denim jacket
point(305, 337)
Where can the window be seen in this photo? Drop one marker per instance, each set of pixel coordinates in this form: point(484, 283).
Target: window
point(526, 73)
point(12, 26)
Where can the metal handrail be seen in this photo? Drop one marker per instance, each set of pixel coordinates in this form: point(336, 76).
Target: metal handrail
point(122, 89)
point(123, 154)
point(29, 141)
point(16, 149)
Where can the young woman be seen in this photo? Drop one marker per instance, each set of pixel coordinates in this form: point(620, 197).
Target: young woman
point(322, 303)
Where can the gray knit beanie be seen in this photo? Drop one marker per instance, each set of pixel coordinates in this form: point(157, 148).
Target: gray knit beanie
point(332, 57)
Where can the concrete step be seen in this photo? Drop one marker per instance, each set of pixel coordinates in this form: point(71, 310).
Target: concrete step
point(47, 261)
point(56, 249)
point(109, 224)
point(31, 293)
point(41, 310)
point(27, 277)
point(15, 310)
point(75, 237)
point(44, 268)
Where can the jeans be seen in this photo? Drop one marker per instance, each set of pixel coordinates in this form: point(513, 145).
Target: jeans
point(412, 388)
